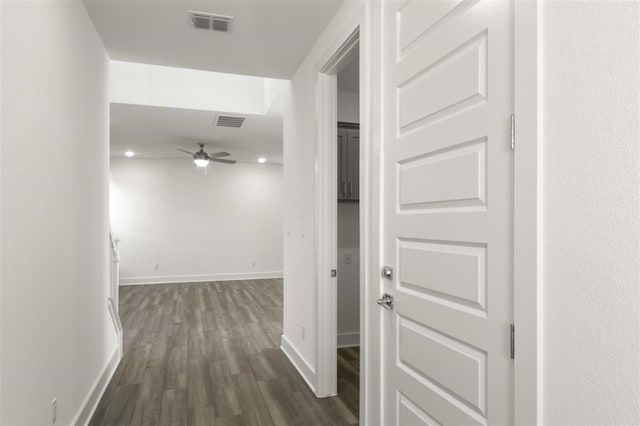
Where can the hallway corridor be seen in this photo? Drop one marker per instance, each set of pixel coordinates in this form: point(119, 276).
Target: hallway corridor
point(208, 354)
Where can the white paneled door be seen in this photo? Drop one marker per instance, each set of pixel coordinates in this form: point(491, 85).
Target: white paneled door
point(448, 212)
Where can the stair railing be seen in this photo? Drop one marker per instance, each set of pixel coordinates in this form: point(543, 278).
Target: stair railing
point(114, 282)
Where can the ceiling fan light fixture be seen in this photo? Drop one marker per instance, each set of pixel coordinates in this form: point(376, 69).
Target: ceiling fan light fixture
point(201, 159)
point(201, 162)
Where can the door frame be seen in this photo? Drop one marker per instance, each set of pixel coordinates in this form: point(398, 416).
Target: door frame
point(360, 28)
point(527, 303)
point(528, 204)
point(326, 198)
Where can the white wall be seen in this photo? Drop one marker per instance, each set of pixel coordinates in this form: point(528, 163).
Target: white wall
point(591, 213)
point(226, 224)
point(348, 273)
point(57, 336)
point(348, 106)
point(170, 87)
point(300, 287)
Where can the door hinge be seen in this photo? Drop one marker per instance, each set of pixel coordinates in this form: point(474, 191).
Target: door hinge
point(513, 132)
point(512, 337)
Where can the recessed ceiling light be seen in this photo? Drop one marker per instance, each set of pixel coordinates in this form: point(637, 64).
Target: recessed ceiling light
point(262, 160)
point(129, 153)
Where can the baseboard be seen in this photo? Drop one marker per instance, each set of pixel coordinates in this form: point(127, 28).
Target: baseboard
point(298, 361)
point(171, 279)
point(90, 403)
point(347, 340)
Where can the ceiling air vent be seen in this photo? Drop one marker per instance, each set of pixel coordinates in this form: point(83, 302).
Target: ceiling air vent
point(227, 121)
point(210, 21)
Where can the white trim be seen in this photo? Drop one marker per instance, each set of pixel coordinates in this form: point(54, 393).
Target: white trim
point(172, 279)
point(332, 61)
point(371, 101)
point(326, 234)
point(348, 340)
point(2, 348)
point(299, 362)
point(92, 399)
point(528, 213)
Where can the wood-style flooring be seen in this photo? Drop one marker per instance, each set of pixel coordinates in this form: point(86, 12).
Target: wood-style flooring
point(208, 354)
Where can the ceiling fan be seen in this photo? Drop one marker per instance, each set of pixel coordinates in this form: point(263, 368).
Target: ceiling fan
point(202, 159)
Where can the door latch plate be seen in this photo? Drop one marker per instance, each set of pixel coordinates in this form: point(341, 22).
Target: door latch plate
point(387, 272)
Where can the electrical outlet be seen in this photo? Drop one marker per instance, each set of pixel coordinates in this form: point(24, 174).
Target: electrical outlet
point(253, 264)
point(347, 258)
point(156, 266)
point(54, 410)
point(302, 332)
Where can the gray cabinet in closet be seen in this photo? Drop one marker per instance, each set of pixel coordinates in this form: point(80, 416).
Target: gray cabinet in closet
point(348, 164)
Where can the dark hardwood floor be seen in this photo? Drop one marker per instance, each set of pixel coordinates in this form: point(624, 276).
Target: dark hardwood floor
point(208, 354)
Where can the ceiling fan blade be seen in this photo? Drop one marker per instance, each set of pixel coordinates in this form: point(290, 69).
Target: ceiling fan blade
point(219, 154)
point(222, 160)
point(183, 150)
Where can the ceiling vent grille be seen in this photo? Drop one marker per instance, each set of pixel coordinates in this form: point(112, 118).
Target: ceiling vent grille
point(227, 121)
point(210, 21)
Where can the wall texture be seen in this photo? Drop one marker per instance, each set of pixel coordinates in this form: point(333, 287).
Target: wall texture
point(57, 336)
point(226, 224)
point(591, 212)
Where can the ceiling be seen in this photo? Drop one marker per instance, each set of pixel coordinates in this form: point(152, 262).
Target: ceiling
point(268, 38)
point(156, 132)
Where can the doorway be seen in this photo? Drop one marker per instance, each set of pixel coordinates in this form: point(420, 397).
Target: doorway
point(348, 230)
